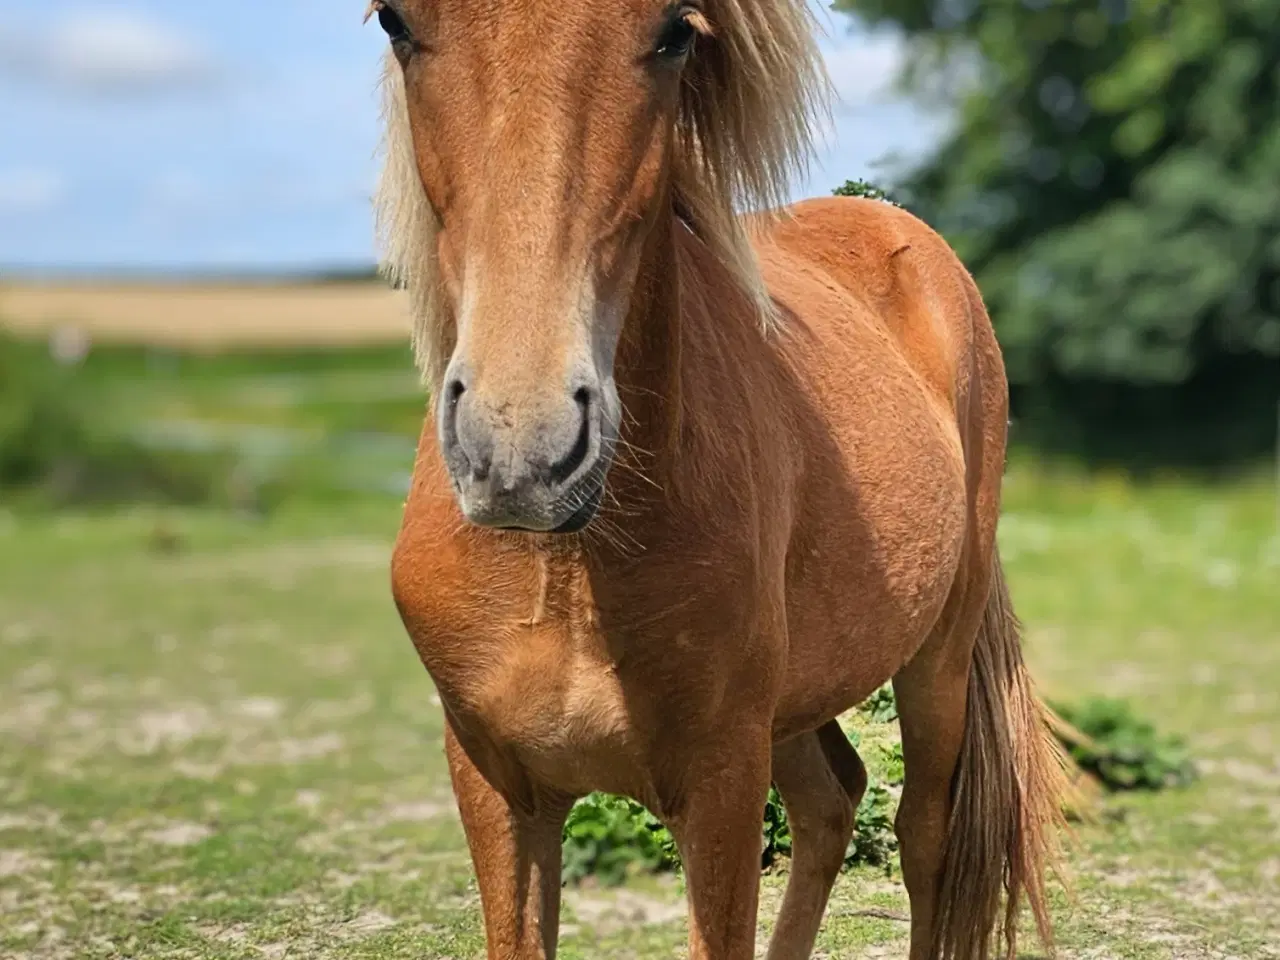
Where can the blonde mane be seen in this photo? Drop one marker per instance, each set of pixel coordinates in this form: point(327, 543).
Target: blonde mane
point(754, 92)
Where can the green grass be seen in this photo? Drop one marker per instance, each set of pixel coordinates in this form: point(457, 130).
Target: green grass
point(218, 743)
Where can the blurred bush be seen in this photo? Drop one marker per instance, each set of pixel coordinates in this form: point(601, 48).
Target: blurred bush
point(1111, 181)
point(40, 419)
point(59, 440)
point(1122, 750)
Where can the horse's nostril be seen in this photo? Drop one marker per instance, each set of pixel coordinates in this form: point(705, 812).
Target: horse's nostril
point(569, 464)
point(470, 451)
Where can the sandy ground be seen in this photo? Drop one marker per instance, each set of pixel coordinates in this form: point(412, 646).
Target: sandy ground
point(211, 316)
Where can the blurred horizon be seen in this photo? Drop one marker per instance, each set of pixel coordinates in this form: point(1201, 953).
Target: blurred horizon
point(161, 140)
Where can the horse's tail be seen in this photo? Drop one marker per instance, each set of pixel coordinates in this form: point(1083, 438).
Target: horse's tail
point(1007, 799)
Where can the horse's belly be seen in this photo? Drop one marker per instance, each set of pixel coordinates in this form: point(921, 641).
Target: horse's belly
point(869, 584)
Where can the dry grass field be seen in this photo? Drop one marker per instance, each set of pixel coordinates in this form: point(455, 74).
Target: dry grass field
point(211, 316)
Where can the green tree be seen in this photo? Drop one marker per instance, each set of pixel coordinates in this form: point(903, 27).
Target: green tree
point(1113, 180)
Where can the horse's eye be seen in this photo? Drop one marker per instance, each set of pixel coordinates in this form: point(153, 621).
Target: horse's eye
point(391, 22)
point(676, 37)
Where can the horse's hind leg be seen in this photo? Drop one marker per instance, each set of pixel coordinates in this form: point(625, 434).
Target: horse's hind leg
point(821, 780)
point(982, 797)
point(931, 694)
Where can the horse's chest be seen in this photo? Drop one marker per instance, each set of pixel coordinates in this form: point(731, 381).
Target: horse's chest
point(519, 659)
point(560, 711)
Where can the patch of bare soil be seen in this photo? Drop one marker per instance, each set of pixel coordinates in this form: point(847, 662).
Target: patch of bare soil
point(608, 911)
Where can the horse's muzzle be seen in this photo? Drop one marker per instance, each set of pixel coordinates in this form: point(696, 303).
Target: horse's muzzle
point(538, 467)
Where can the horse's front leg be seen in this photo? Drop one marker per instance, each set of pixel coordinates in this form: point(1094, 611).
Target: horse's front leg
point(717, 827)
point(516, 853)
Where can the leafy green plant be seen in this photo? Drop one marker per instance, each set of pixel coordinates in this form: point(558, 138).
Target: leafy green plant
point(777, 830)
point(892, 763)
point(1123, 750)
point(861, 188)
point(874, 842)
point(611, 838)
point(880, 707)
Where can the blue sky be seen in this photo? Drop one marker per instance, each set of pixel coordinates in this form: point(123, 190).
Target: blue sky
point(152, 136)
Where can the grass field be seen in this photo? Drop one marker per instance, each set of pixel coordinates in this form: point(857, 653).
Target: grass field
point(218, 743)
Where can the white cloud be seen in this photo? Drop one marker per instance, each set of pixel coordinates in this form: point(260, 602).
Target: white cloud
point(102, 50)
point(29, 190)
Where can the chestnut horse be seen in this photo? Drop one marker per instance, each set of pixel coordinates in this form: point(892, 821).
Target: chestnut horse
point(692, 484)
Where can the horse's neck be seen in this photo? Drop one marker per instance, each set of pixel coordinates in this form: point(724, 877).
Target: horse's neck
point(685, 307)
point(648, 365)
